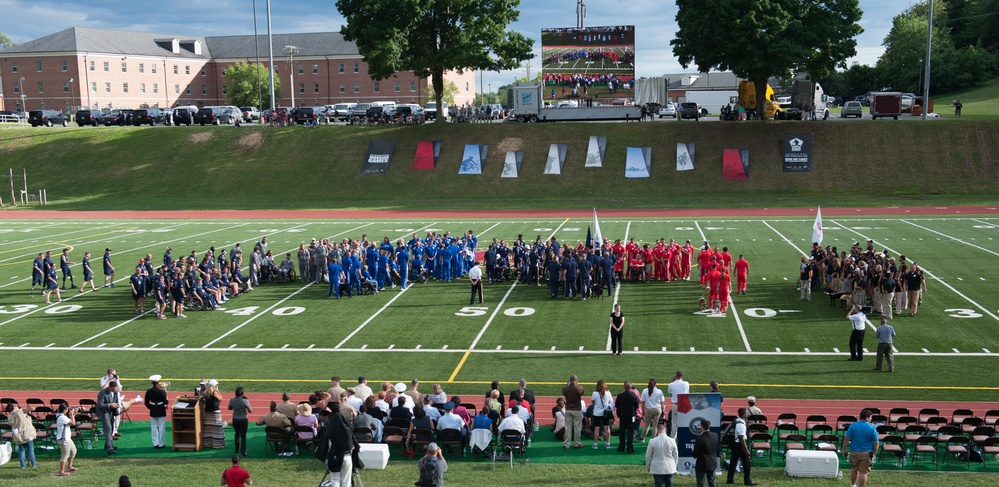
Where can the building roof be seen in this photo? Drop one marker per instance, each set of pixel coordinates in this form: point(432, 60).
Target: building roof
point(122, 42)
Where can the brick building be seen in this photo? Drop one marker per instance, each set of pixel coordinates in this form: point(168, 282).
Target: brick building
point(99, 68)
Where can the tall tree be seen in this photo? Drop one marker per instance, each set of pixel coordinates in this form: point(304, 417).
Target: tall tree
point(430, 37)
point(450, 90)
point(243, 82)
point(5, 41)
point(758, 39)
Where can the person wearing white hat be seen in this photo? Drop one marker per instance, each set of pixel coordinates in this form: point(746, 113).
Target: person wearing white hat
point(156, 403)
point(213, 435)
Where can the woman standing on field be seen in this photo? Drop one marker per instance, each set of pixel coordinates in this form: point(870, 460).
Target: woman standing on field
point(603, 413)
point(213, 434)
point(616, 329)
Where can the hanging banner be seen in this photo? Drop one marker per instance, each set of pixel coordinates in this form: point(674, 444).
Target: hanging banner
point(684, 156)
point(735, 164)
point(797, 152)
point(556, 158)
point(472, 158)
point(511, 165)
point(595, 151)
point(691, 409)
point(427, 153)
point(379, 157)
point(638, 162)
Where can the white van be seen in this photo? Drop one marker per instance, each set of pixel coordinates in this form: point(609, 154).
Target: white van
point(340, 111)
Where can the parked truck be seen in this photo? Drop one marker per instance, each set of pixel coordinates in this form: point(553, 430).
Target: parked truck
point(806, 97)
point(526, 104)
point(886, 104)
point(711, 101)
point(747, 98)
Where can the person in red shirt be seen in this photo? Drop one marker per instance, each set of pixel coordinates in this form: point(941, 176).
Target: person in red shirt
point(714, 278)
point(686, 254)
point(724, 285)
point(726, 259)
point(673, 256)
point(649, 259)
point(636, 266)
point(704, 261)
point(618, 251)
point(235, 476)
point(632, 248)
point(659, 254)
point(741, 274)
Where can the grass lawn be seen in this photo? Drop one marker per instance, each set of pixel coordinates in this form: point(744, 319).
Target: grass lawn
point(980, 102)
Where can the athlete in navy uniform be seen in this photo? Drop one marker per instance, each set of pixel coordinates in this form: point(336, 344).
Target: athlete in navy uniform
point(52, 282)
point(138, 284)
point(168, 258)
point(64, 264)
point(554, 271)
point(585, 267)
point(160, 292)
point(335, 277)
point(88, 273)
point(402, 260)
point(569, 278)
point(108, 269)
point(38, 271)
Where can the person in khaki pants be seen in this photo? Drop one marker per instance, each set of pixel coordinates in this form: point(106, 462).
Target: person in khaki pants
point(886, 335)
point(915, 285)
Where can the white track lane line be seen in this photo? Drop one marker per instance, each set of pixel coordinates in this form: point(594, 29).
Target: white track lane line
point(617, 289)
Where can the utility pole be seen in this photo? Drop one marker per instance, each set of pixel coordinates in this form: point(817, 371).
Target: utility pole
point(527, 67)
point(256, 48)
point(929, 48)
point(580, 13)
point(291, 71)
point(270, 55)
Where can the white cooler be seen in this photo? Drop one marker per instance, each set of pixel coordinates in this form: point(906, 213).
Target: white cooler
point(374, 455)
point(809, 463)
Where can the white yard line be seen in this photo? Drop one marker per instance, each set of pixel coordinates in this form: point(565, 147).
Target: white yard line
point(490, 228)
point(930, 274)
point(952, 238)
point(50, 237)
point(617, 289)
point(489, 321)
point(735, 312)
point(258, 315)
point(703, 237)
point(369, 320)
point(109, 330)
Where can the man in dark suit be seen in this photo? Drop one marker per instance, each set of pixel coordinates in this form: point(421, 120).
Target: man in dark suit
point(522, 393)
point(337, 447)
point(108, 403)
point(706, 455)
point(626, 405)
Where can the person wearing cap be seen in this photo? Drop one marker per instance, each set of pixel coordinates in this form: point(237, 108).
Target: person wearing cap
point(450, 420)
point(108, 269)
point(435, 455)
point(213, 435)
point(428, 406)
point(335, 390)
point(751, 408)
point(156, 403)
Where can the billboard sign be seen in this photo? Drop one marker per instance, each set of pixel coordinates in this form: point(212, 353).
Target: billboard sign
point(588, 60)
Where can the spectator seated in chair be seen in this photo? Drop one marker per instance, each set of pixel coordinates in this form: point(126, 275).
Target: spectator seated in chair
point(275, 419)
point(450, 420)
point(514, 422)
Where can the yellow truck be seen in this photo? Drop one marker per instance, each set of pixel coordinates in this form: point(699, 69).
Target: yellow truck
point(747, 98)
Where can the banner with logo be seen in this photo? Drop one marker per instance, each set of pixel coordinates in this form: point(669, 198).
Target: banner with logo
point(379, 157)
point(472, 158)
point(797, 152)
point(684, 156)
point(512, 163)
point(595, 151)
point(427, 153)
point(556, 158)
point(691, 409)
point(638, 162)
point(735, 164)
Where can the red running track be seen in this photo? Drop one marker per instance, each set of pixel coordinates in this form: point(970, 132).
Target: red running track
point(544, 404)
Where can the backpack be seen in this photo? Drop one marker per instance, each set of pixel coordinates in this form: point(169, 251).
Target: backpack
point(728, 436)
point(428, 474)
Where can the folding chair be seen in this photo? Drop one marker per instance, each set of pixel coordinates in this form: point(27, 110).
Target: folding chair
point(756, 428)
point(892, 445)
point(794, 441)
point(902, 422)
point(786, 418)
point(934, 423)
point(959, 446)
point(274, 437)
point(960, 414)
point(982, 433)
point(55, 402)
point(399, 422)
point(913, 432)
point(86, 427)
point(394, 435)
point(782, 431)
point(944, 433)
point(89, 405)
point(760, 442)
point(827, 442)
point(8, 403)
point(877, 419)
point(757, 419)
point(969, 424)
point(885, 430)
point(306, 442)
point(896, 413)
point(990, 448)
point(817, 431)
point(814, 419)
point(991, 417)
point(6, 433)
point(421, 437)
point(926, 446)
point(512, 440)
point(927, 413)
point(873, 410)
point(844, 421)
point(451, 437)
point(363, 434)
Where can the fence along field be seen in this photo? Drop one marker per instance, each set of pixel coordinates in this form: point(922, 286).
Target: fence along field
point(958, 318)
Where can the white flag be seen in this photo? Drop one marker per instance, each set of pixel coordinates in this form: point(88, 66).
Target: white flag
point(817, 227)
point(598, 238)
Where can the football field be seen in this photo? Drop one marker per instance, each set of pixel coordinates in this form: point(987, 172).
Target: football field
point(291, 336)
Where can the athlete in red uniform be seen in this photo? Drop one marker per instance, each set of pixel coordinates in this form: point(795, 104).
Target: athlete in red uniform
point(686, 255)
point(703, 261)
point(726, 259)
point(714, 278)
point(741, 274)
point(619, 251)
point(659, 254)
point(724, 284)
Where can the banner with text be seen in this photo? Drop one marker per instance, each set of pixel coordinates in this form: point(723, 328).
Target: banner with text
point(379, 157)
point(797, 152)
point(684, 156)
point(691, 409)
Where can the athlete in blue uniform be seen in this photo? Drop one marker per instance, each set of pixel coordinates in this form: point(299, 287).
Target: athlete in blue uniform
point(383, 267)
point(402, 259)
point(52, 282)
point(138, 284)
point(108, 269)
point(88, 273)
point(430, 256)
point(64, 264)
point(335, 277)
point(38, 271)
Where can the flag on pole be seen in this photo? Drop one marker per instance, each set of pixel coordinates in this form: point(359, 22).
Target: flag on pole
point(589, 237)
point(817, 227)
point(598, 238)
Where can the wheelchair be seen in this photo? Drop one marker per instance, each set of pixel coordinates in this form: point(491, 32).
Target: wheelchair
point(419, 276)
point(367, 288)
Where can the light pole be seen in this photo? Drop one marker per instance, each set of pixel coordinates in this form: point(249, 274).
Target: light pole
point(256, 48)
point(490, 92)
point(270, 56)
point(72, 96)
point(24, 101)
point(291, 72)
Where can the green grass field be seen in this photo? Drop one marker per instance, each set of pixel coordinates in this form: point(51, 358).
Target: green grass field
point(291, 337)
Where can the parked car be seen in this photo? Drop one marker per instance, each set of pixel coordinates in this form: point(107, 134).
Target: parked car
point(430, 110)
point(250, 113)
point(212, 116)
point(374, 112)
point(667, 110)
point(852, 108)
point(47, 118)
point(148, 116)
point(305, 115)
point(87, 117)
point(10, 116)
point(183, 116)
point(358, 110)
point(119, 116)
point(690, 110)
point(340, 111)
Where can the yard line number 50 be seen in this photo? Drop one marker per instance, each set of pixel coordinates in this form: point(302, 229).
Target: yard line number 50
point(482, 310)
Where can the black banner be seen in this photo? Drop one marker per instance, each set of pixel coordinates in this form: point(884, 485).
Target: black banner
point(379, 157)
point(797, 152)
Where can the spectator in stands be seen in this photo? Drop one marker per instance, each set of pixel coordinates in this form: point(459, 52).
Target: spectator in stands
point(352, 399)
point(420, 420)
point(64, 437)
point(307, 419)
point(482, 421)
point(626, 405)
point(401, 410)
point(751, 408)
point(603, 413)
point(362, 390)
point(437, 395)
point(413, 392)
point(461, 411)
point(335, 390)
point(558, 425)
point(275, 419)
point(573, 393)
point(287, 407)
point(23, 433)
point(365, 420)
point(653, 401)
point(450, 420)
point(513, 422)
point(522, 392)
point(494, 404)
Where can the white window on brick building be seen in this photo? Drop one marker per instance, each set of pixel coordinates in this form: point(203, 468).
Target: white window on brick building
point(315, 87)
point(357, 87)
point(378, 87)
point(124, 87)
point(343, 89)
point(315, 69)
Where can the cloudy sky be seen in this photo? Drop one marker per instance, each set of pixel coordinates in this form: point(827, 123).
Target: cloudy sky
point(654, 22)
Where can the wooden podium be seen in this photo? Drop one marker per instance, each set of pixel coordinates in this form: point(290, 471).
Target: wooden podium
point(188, 416)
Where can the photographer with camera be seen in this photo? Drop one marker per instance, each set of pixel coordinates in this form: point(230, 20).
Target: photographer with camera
point(432, 467)
point(64, 437)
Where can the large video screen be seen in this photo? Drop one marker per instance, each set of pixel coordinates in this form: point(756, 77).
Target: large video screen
point(588, 59)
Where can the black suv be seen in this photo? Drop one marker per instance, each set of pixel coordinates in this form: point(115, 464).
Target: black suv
point(183, 116)
point(87, 117)
point(150, 116)
point(305, 115)
point(119, 116)
point(211, 116)
point(47, 118)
